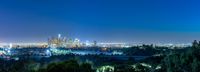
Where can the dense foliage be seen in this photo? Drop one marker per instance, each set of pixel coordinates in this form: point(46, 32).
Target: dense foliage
point(188, 61)
point(68, 66)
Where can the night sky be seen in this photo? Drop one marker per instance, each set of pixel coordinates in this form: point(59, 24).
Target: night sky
point(147, 21)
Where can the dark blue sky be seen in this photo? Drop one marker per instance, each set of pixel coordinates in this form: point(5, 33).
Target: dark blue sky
point(101, 20)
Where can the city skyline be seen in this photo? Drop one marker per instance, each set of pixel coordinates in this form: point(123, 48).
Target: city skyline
point(111, 21)
point(68, 39)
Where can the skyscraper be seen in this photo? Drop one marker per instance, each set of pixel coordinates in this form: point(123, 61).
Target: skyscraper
point(95, 43)
point(57, 41)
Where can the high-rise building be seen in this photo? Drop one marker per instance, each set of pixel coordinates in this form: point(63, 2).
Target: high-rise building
point(95, 43)
point(57, 41)
point(69, 43)
point(77, 42)
point(87, 43)
point(59, 35)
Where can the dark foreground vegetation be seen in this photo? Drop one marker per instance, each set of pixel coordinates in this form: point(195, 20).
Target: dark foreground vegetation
point(174, 60)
